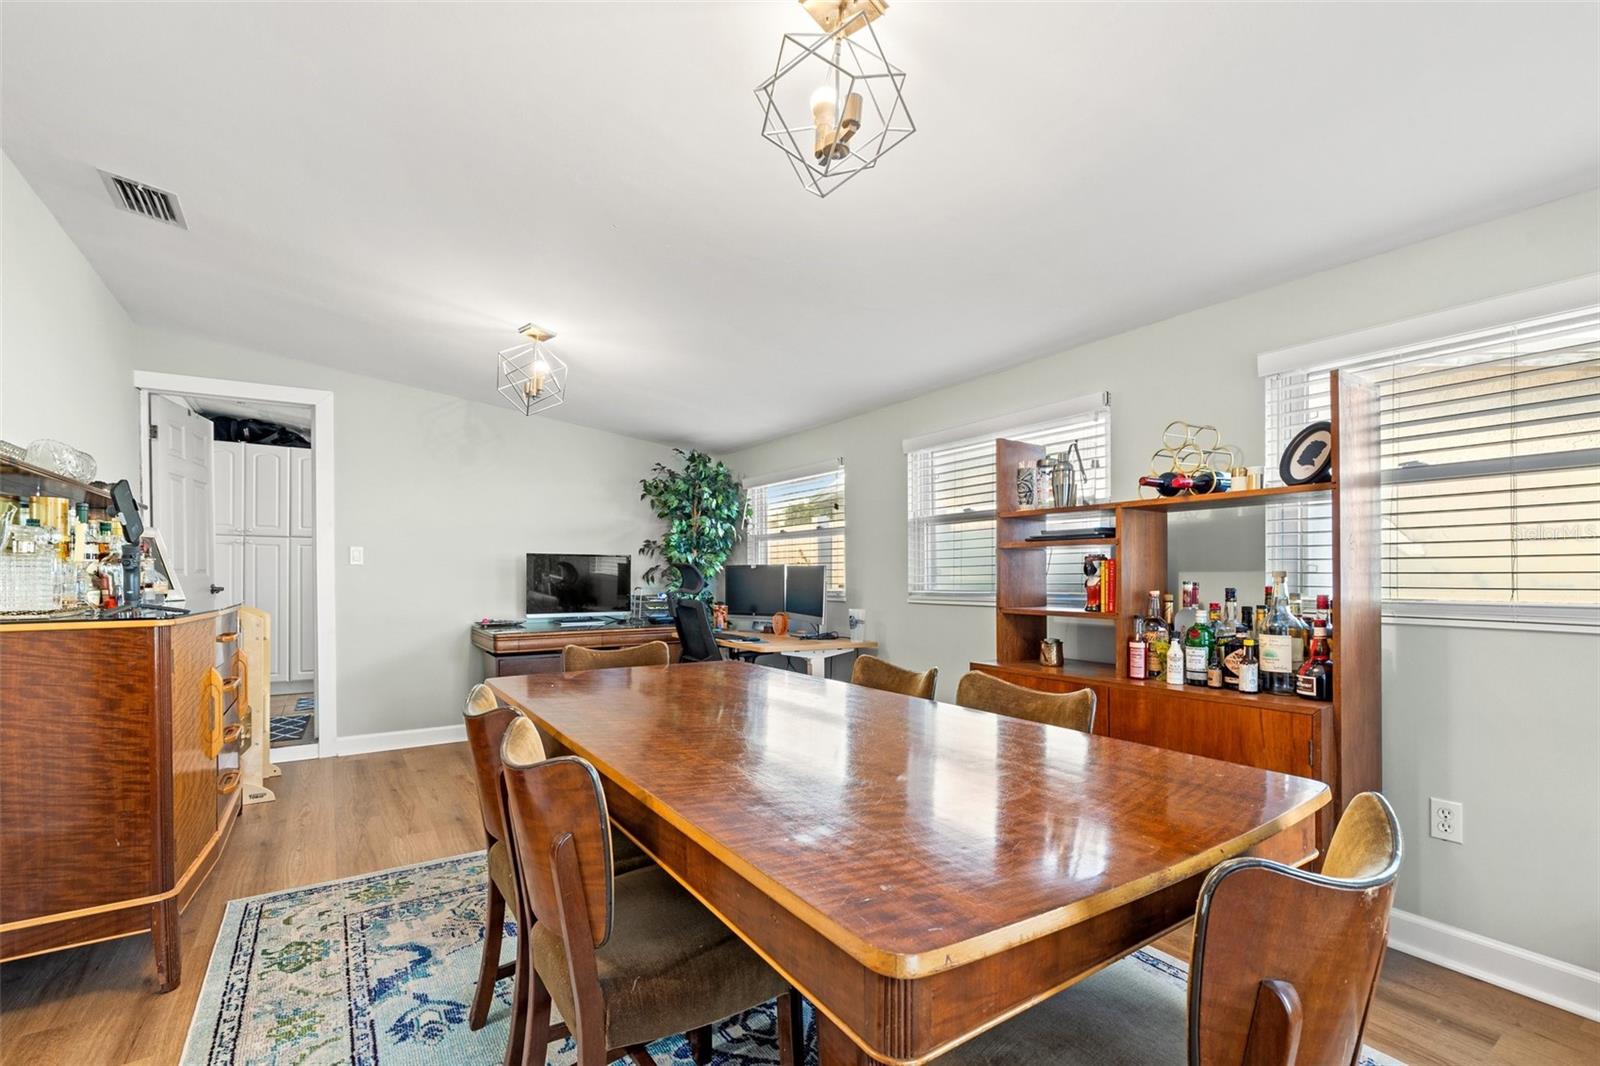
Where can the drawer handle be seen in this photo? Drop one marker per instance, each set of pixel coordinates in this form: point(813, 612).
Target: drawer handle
point(231, 733)
point(228, 782)
point(227, 638)
point(211, 714)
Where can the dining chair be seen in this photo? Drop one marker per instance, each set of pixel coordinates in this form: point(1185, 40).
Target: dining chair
point(575, 658)
point(626, 959)
point(1070, 710)
point(1284, 966)
point(486, 723)
point(873, 672)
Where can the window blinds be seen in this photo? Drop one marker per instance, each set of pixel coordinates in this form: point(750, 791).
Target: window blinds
point(950, 510)
point(800, 521)
point(1490, 463)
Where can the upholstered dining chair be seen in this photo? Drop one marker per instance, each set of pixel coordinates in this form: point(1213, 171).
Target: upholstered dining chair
point(873, 672)
point(1070, 710)
point(486, 724)
point(1284, 966)
point(626, 959)
point(575, 658)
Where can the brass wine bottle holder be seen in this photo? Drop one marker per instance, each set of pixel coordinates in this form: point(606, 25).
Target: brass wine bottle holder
point(1190, 450)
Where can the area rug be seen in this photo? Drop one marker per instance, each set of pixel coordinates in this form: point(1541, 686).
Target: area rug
point(287, 727)
point(378, 970)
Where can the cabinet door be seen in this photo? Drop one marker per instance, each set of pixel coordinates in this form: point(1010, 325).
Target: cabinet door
point(302, 493)
point(229, 570)
point(302, 631)
point(266, 490)
point(266, 586)
point(1249, 732)
point(227, 487)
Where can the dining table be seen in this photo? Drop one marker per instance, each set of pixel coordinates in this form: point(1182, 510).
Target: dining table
point(918, 871)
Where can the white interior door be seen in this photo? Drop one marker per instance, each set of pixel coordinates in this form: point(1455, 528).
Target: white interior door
point(180, 495)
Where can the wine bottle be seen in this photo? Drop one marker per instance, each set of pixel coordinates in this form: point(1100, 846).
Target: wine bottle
point(1200, 483)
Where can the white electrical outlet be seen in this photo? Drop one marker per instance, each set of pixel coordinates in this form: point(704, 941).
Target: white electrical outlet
point(1444, 820)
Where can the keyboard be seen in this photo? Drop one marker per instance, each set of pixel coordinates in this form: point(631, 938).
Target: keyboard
point(735, 634)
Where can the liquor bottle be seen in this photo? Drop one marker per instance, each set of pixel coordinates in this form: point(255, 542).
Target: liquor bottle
point(1315, 679)
point(1197, 643)
point(1278, 640)
point(1175, 660)
point(1230, 608)
point(1199, 483)
point(1156, 637)
point(1214, 666)
point(1324, 614)
point(1299, 632)
point(1249, 667)
point(1233, 656)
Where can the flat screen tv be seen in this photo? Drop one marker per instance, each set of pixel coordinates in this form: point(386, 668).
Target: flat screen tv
point(578, 584)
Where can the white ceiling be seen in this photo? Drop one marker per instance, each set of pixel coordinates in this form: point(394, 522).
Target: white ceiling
point(392, 189)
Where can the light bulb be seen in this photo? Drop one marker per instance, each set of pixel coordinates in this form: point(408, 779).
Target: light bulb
point(824, 105)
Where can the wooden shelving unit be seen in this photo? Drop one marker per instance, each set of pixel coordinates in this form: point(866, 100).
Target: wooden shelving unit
point(1337, 742)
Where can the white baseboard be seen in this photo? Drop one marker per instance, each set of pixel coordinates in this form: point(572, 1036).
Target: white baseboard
point(365, 743)
point(1560, 984)
point(294, 753)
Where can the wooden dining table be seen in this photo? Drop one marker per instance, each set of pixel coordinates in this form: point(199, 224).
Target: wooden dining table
point(917, 870)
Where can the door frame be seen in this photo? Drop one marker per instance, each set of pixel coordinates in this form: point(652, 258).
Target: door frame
point(325, 685)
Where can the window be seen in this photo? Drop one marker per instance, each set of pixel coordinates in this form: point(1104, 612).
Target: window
point(1489, 446)
point(800, 521)
point(950, 509)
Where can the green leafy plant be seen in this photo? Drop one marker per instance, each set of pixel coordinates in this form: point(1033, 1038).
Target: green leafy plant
point(703, 507)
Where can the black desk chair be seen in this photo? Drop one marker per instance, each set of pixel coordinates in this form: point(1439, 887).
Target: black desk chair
point(695, 638)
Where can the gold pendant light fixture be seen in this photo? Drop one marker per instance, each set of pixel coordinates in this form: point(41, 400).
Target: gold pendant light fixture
point(530, 375)
point(834, 104)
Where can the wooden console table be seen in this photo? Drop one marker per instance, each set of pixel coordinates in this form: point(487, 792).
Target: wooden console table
point(516, 650)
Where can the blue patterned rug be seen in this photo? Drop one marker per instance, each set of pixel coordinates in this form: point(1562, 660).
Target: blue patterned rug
point(379, 970)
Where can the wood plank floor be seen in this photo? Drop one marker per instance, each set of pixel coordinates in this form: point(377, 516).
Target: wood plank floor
point(340, 817)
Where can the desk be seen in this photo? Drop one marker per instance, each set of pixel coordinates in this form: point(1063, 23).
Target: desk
point(917, 870)
point(816, 653)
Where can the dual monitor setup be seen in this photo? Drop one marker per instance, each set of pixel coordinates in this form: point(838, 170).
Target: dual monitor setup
point(591, 590)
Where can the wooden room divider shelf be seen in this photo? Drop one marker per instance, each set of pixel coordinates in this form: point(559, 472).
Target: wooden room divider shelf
point(1336, 742)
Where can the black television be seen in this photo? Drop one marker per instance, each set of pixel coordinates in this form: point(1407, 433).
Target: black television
point(578, 584)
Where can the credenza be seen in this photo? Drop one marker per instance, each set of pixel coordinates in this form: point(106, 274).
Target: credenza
point(511, 650)
point(119, 777)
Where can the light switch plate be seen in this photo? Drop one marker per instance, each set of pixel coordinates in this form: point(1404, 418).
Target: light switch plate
point(358, 556)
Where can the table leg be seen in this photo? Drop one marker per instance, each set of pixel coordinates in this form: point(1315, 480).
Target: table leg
point(817, 665)
point(834, 1048)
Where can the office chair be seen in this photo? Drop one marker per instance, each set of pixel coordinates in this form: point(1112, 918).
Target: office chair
point(695, 638)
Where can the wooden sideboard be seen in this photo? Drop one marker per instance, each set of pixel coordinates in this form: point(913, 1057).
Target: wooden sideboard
point(519, 650)
point(113, 808)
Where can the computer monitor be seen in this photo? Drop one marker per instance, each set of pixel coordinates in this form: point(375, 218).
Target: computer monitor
point(753, 591)
point(578, 584)
point(803, 591)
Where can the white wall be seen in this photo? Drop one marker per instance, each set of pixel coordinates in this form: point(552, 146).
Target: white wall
point(446, 496)
point(1508, 723)
point(66, 365)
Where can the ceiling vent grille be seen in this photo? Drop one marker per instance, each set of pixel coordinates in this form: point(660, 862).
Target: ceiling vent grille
point(141, 199)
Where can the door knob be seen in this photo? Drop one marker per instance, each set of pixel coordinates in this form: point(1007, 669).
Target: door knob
point(216, 589)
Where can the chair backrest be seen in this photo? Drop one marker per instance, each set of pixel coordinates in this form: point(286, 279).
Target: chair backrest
point(1070, 710)
point(559, 827)
point(694, 632)
point(575, 658)
point(486, 722)
point(877, 673)
point(1285, 960)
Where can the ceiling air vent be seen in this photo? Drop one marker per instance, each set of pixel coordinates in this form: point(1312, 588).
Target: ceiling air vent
point(146, 200)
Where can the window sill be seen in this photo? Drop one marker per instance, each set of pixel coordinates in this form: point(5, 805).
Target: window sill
point(1577, 626)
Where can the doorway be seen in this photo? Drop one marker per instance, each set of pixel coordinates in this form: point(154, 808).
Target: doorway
point(238, 477)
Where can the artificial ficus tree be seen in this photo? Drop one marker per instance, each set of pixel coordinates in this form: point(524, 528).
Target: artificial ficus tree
point(703, 508)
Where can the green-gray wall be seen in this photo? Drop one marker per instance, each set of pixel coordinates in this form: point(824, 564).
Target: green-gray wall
point(1506, 722)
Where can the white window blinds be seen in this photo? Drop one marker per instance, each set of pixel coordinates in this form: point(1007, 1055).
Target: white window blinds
point(1490, 463)
point(800, 521)
point(950, 490)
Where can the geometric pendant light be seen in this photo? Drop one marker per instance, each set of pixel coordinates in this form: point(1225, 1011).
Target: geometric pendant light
point(834, 103)
point(530, 375)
